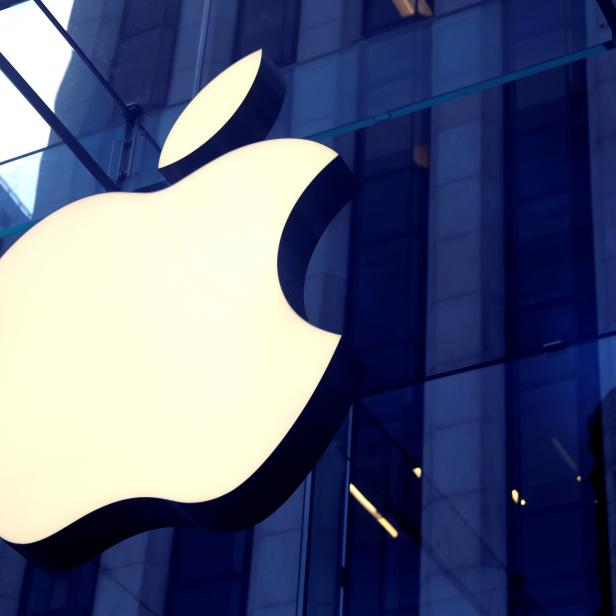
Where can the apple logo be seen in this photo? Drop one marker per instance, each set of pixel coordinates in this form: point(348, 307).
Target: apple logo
point(156, 365)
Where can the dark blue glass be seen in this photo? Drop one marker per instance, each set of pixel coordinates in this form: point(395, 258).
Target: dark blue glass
point(65, 593)
point(270, 25)
point(208, 573)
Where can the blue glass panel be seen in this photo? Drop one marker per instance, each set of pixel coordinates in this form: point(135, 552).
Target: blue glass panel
point(420, 63)
point(22, 129)
point(429, 61)
point(31, 188)
point(271, 25)
point(66, 593)
point(64, 83)
point(209, 573)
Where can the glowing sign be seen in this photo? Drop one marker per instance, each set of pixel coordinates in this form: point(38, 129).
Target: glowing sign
point(156, 367)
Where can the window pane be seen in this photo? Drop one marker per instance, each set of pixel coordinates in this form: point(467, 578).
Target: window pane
point(270, 25)
point(62, 80)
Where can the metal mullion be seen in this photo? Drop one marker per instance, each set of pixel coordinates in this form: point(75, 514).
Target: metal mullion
point(82, 56)
point(56, 124)
point(203, 32)
point(130, 112)
point(17, 157)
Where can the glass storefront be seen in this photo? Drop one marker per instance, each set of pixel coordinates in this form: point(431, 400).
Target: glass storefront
point(473, 274)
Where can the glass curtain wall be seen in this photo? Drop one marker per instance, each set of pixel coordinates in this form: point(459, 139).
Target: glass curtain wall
point(473, 473)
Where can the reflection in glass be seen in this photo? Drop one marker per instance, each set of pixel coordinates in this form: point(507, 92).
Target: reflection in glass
point(63, 593)
point(433, 60)
point(383, 525)
point(496, 479)
point(22, 129)
point(18, 180)
point(271, 25)
point(209, 573)
point(31, 188)
point(380, 14)
point(64, 83)
point(373, 511)
point(553, 542)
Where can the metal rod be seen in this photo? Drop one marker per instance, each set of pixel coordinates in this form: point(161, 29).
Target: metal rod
point(56, 124)
point(82, 56)
point(127, 110)
point(17, 157)
point(147, 135)
point(205, 24)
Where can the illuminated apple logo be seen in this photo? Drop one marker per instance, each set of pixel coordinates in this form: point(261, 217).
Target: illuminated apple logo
point(156, 367)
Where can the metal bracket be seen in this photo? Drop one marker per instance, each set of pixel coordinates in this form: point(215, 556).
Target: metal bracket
point(132, 114)
point(56, 124)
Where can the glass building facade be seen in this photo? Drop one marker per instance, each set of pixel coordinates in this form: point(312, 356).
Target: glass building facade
point(474, 274)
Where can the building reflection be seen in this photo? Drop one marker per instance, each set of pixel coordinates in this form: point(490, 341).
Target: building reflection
point(474, 274)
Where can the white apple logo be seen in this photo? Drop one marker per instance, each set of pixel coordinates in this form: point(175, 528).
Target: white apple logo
point(152, 370)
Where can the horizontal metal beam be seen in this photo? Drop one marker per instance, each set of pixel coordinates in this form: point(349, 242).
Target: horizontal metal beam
point(55, 123)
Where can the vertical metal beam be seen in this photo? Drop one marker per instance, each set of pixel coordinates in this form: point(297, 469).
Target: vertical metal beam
point(56, 124)
point(203, 31)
